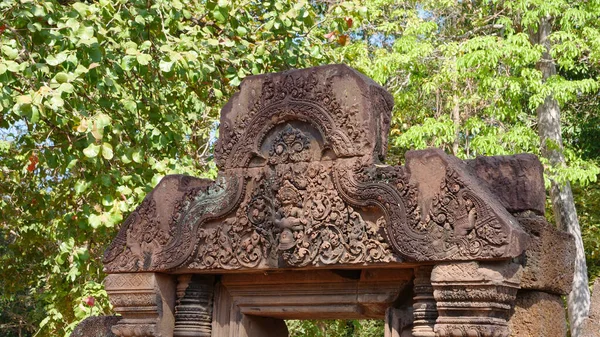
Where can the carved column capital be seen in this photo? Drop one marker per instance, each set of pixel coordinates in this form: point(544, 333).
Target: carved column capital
point(146, 302)
point(474, 299)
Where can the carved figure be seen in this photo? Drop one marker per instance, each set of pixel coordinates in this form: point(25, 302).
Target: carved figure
point(302, 186)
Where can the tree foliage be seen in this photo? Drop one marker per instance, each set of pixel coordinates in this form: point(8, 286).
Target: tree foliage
point(101, 99)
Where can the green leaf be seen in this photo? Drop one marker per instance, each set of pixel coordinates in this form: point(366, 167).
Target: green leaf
point(220, 15)
point(107, 151)
point(165, 66)
point(92, 150)
point(130, 105)
point(85, 33)
point(11, 53)
point(57, 59)
point(35, 115)
point(56, 102)
point(66, 87)
point(95, 220)
point(23, 99)
point(81, 186)
point(137, 156)
point(103, 120)
point(12, 66)
point(144, 59)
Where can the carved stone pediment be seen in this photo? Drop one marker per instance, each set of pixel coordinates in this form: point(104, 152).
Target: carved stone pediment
point(301, 185)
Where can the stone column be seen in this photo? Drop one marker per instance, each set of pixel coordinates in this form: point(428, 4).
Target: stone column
point(193, 312)
point(145, 300)
point(474, 299)
point(424, 306)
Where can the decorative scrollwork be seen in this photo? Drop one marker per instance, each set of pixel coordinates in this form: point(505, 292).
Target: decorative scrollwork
point(294, 215)
point(301, 186)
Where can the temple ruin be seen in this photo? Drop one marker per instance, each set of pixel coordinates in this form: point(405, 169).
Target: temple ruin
point(305, 221)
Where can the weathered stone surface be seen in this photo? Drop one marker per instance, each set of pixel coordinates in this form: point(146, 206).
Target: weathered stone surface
point(301, 186)
point(147, 229)
point(398, 322)
point(549, 260)
point(591, 325)
point(193, 311)
point(538, 314)
point(304, 221)
point(424, 307)
point(325, 294)
point(350, 111)
point(451, 197)
point(517, 181)
point(96, 326)
point(474, 298)
point(145, 300)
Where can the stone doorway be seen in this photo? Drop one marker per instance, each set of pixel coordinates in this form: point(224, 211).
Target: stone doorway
point(326, 294)
point(306, 221)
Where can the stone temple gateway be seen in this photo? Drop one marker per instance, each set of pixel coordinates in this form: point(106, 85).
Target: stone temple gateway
point(306, 222)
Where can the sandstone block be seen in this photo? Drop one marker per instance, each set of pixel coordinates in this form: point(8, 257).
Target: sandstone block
point(538, 314)
point(474, 299)
point(591, 326)
point(549, 260)
point(517, 180)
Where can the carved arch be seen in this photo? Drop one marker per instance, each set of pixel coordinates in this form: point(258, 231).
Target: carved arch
point(281, 112)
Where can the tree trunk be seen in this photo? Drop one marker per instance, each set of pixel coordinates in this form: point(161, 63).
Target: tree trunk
point(549, 129)
point(456, 120)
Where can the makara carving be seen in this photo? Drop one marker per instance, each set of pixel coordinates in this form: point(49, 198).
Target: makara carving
point(302, 185)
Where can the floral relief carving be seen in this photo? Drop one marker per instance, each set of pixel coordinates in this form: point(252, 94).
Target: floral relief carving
point(457, 225)
point(305, 94)
point(295, 214)
point(290, 145)
point(301, 186)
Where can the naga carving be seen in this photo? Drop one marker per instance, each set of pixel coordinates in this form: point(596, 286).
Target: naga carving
point(301, 185)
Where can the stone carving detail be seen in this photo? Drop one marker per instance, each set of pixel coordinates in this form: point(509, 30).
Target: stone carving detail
point(301, 186)
point(193, 312)
point(424, 306)
point(307, 94)
point(290, 145)
point(137, 234)
point(454, 223)
point(475, 299)
point(148, 241)
point(293, 213)
point(143, 300)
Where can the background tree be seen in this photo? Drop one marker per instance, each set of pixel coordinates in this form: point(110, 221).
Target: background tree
point(99, 101)
point(488, 78)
